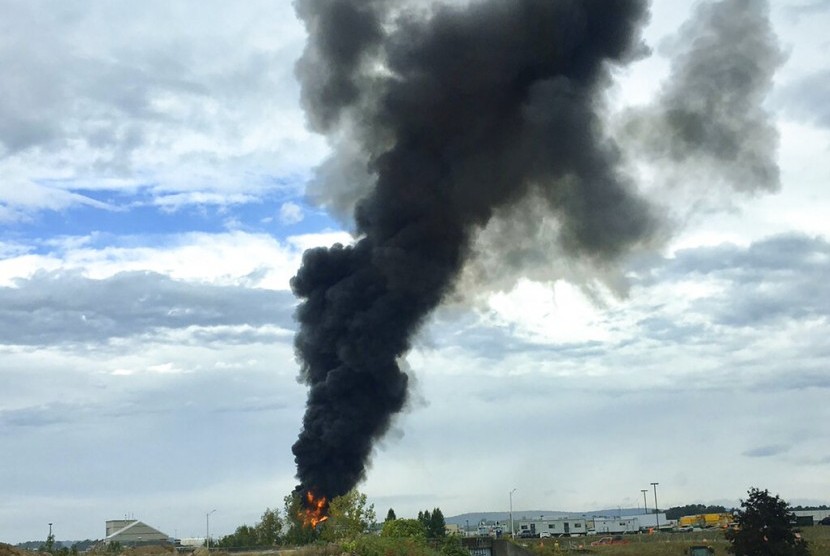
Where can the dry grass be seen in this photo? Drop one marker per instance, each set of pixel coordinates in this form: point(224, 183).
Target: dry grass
point(8, 550)
point(149, 550)
point(668, 544)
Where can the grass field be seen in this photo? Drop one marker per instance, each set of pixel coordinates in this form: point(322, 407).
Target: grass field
point(670, 544)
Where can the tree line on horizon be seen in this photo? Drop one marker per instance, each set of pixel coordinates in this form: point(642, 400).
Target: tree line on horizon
point(349, 516)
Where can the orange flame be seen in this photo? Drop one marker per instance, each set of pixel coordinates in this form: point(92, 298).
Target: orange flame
point(316, 510)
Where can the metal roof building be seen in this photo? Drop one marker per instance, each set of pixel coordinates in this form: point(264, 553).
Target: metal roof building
point(132, 532)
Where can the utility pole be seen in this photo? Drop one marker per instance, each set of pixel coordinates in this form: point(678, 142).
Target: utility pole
point(207, 529)
point(512, 530)
point(656, 507)
point(645, 504)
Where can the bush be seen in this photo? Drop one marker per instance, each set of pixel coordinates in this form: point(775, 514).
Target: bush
point(404, 528)
point(368, 545)
point(451, 546)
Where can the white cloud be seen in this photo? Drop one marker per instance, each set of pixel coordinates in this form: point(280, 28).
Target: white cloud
point(291, 213)
point(189, 103)
point(231, 258)
point(557, 314)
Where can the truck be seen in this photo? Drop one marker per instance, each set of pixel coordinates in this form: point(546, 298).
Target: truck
point(706, 520)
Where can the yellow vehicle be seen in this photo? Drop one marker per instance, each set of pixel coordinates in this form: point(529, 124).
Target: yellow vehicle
point(705, 520)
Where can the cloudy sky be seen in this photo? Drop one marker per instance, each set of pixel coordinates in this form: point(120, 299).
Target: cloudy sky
point(153, 168)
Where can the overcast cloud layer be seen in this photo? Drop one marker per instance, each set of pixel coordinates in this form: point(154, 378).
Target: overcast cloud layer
point(153, 165)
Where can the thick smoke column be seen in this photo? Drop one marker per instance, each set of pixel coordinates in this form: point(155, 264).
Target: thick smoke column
point(455, 112)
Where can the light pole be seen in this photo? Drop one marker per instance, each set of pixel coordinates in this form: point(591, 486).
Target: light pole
point(512, 531)
point(645, 505)
point(207, 529)
point(656, 507)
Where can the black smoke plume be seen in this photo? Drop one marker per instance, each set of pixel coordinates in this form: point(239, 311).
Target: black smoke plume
point(705, 137)
point(448, 114)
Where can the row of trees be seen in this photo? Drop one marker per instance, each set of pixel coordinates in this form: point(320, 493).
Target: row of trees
point(677, 512)
point(764, 527)
point(350, 517)
point(267, 532)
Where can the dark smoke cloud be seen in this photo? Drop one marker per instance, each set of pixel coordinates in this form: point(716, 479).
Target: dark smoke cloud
point(705, 136)
point(709, 120)
point(456, 112)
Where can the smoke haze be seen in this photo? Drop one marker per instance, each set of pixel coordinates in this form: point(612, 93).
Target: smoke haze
point(709, 117)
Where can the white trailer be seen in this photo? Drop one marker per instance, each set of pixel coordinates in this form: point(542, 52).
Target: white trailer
point(616, 525)
point(558, 527)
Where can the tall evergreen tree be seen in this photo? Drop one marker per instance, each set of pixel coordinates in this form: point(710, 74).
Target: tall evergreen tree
point(390, 515)
point(437, 526)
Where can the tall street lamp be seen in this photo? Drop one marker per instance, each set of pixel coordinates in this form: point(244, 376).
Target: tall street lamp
point(656, 507)
point(207, 529)
point(645, 505)
point(512, 530)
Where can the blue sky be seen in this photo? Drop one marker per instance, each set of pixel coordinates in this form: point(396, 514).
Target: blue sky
point(153, 207)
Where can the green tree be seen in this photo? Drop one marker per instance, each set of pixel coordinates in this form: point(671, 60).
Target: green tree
point(390, 515)
point(49, 545)
point(349, 516)
point(269, 528)
point(244, 536)
point(297, 532)
point(404, 528)
point(437, 526)
point(267, 532)
point(765, 528)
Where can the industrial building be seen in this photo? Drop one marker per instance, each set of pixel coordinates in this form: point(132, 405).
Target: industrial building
point(131, 532)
